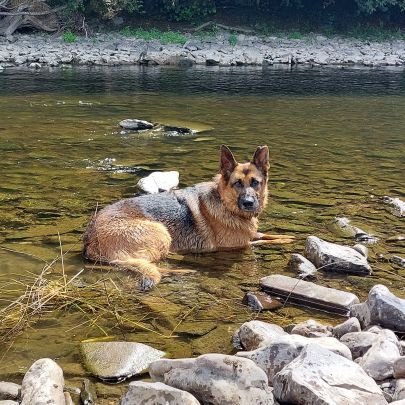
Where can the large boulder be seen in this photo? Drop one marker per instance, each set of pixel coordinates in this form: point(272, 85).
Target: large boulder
point(116, 361)
point(282, 350)
point(216, 379)
point(332, 257)
point(378, 362)
point(43, 384)
point(319, 376)
point(381, 308)
point(147, 393)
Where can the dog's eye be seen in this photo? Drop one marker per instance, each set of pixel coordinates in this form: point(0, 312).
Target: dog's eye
point(254, 183)
point(238, 184)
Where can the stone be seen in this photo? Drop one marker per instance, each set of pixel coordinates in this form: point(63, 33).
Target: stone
point(43, 384)
point(362, 313)
point(8, 402)
point(68, 399)
point(311, 328)
point(260, 301)
point(361, 249)
point(308, 294)
point(117, 361)
point(349, 326)
point(398, 206)
point(273, 357)
point(135, 124)
point(216, 379)
point(399, 394)
point(333, 257)
point(319, 376)
point(9, 390)
point(299, 264)
point(159, 181)
point(254, 334)
point(157, 393)
point(400, 261)
point(399, 368)
point(358, 342)
point(378, 361)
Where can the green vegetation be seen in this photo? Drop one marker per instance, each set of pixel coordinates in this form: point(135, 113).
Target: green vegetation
point(69, 37)
point(166, 37)
point(233, 39)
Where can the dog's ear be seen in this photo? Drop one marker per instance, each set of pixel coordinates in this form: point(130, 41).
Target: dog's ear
point(261, 159)
point(227, 162)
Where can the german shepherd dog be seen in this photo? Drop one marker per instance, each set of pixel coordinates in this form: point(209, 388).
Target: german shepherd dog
point(135, 233)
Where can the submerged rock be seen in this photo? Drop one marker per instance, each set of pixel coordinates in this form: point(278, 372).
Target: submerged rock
point(117, 361)
point(333, 257)
point(159, 181)
point(346, 229)
point(43, 384)
point(308, 294)
point(157, 393)
point(400, 261)
point(381, 308)
point(216, 379)
point(260, 301)
point(398, 206)
point(135, 124)
point(299, 264)
point(318, 376)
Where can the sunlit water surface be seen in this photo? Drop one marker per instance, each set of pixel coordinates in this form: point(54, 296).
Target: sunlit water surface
point(337, 144)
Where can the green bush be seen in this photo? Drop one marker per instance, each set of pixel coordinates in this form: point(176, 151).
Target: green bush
point(233, 39)
point(69, 37)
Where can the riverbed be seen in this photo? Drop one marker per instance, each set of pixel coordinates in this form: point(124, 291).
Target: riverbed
point(337, 146)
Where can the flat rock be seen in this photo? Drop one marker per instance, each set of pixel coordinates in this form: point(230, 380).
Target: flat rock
point(318, 376)
point(273, 357)
point(308, 294)
point(117, 361)
point(349, 326)
point(332, 257)
point(358, 342)
point(159, 181)
point(254, 334)
point(135, 124)
point(43, 384)
point(157, 393)
point(216, 379)
point(9, 390)
point(299, 264)
point(378, 362)
point(312, 328)
point(399, 368)
point(260, 301)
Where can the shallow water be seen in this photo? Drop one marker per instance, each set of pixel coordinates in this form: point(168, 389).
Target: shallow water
point(337, 145)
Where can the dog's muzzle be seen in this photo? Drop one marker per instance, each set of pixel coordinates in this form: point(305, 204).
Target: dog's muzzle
point(248, 202)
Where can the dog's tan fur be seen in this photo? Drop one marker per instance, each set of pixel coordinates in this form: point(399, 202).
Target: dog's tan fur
point(136, 233)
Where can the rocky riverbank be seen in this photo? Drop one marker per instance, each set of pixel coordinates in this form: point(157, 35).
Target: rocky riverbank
point(36, 51)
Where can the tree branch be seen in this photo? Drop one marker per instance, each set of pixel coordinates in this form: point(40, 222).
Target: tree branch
point(32, 13)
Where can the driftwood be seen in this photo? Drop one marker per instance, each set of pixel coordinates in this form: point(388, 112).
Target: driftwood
point(29, 13)
point(223, 26)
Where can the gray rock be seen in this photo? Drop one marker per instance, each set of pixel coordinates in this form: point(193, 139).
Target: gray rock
point(273, 357)
point(254, 334)
point(9, 390)
point(351, 325)
point(135, 124)
point(311, 328)
point(399, 368)
point(359, 342)
point(8, 402)
point(400, 261)
point(308, 294)
point(159, 181)
point(333, 257)
point(147, 393)
point(116, 361)
point(378, 362)
point(398, 206)
point(361, 249)
point(318, 376)
point(260, 301)
point(43, 384)
point(399, 394)
point(299, 264)
point(362, 313)
point(216, 379)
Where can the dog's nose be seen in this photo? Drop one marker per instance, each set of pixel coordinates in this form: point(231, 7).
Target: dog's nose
point(248, 202)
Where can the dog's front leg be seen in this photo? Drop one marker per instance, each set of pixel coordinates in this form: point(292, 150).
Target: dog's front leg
point(270, 239)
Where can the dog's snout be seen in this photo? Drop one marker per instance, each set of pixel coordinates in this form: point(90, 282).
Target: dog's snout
point(248, 202)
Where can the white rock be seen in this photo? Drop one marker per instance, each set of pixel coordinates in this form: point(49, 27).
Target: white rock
point(399, 394)
point(349, 326)
point(358, 342)
point(43, 384)
point(312, 328)
point(159, 181)
point(9, 390)
point(318, 376)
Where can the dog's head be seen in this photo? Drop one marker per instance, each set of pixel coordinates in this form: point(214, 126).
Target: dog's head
point(243, 186)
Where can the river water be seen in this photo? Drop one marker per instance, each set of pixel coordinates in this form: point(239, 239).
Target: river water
point(337, 145)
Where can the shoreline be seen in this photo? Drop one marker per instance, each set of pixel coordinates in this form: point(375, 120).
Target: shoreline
point(36, 51)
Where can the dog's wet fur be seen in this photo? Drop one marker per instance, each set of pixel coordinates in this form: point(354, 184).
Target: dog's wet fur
point(135, 233)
